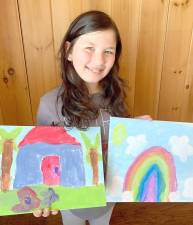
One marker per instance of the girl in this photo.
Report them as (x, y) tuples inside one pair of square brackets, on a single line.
[(91, 91)]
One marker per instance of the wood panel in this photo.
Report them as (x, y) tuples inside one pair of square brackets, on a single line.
[(187, 101), (63, 12), (126, 14), (150, 56), (14, 92), (177, 47), (152, 214), (104, 6), (1, 117), (123, 214), (37, 32)]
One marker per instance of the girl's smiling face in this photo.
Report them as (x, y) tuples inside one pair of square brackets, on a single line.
[(93, 55)]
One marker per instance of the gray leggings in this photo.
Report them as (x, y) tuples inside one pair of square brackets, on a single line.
[(69, 218)]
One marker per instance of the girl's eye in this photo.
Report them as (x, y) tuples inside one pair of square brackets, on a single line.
[(90, 49), (109, 52)]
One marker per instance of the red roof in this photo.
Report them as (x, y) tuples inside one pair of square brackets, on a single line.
[(49, 135)]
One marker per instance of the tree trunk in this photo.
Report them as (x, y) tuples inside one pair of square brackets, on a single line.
[(6, 162), (94, 164)]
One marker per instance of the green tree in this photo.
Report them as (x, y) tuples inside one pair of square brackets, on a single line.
[(93, 155), (119, 134), (7, 145)]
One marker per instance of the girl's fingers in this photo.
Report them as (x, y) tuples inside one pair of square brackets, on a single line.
[(54, 212), (37, 212), (46, 212), (144, 117)]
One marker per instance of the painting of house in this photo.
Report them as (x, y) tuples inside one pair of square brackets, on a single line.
[(44, 163), (44, 166)]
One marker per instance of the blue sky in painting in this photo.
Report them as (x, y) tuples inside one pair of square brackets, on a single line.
[(91, 132), (175, 137)]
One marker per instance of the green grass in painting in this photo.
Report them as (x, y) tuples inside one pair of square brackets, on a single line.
[(69, 198)]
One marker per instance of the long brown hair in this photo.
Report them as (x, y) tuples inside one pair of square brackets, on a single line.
[(77, 107)]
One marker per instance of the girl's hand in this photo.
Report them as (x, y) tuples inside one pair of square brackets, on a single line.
[(144, 117), (44, 212)]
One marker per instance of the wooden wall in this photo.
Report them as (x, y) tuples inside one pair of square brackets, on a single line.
[(157, 59)]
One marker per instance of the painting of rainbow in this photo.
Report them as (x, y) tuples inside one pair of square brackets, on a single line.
[(44, 166), (150, 161)]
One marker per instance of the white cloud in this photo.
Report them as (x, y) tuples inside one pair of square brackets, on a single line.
[(114, 186), (188, 188), (134, 143), (127, 196), (115, 190), (181, 147), (175, 197)]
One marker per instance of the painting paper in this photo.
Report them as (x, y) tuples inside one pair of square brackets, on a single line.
[(50, 167), (150, 161)]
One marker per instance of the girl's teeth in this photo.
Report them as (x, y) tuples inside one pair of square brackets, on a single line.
[(95, 71)]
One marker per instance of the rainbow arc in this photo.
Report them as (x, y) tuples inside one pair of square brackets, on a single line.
[(152, 176)]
